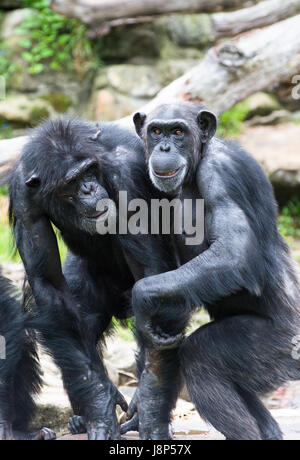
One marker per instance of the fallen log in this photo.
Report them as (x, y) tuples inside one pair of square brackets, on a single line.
[(231, 72), (265, 13), (95, 11)]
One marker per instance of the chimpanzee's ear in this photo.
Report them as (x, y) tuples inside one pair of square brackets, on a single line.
[(208, 123), (139, 120), (33, 182)]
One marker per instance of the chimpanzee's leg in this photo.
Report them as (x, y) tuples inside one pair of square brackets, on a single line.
[(96, 303), (268, 426), (159, 385), (20, 375), (226, 364)]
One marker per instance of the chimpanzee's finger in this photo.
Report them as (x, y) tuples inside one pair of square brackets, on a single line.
[(131, 425), (132, 409), (121, 401)]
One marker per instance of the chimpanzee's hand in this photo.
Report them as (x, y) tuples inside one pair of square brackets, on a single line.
[(147, 295), (101, 419), (144, 410)]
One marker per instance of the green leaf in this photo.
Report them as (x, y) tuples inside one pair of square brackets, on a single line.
[(27, 56), (36, 68)]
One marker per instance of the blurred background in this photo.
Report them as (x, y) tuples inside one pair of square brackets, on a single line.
[(103, 60)]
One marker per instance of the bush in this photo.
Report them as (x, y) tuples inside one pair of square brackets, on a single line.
[(54, 40)]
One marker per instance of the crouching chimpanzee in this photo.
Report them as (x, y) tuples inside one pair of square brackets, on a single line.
[(20, 376), (65, 170), (242, 273)]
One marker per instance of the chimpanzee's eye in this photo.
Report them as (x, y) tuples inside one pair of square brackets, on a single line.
[(178, 132), (157, 131)]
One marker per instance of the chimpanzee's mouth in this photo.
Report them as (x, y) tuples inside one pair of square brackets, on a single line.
[(99, 214), (167, 174)]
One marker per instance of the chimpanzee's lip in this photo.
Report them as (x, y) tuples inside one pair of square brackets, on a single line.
[(99, 214), (167, 174)]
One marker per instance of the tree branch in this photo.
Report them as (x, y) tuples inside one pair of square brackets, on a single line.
[(95, 11), (233, 71), (261, 15)]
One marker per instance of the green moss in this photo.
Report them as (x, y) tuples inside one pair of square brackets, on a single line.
[(289, 219), (231, 122), (6, 131), (60, 102), (37, 114)]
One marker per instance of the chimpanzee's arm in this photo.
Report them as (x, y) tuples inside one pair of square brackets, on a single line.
[(63, 330), (231, 263)]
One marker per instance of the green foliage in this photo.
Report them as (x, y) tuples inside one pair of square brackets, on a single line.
[(231, 122), (124, 328), (4, 190), (6, 66), (53, 40), (289, 219), (6, 131)]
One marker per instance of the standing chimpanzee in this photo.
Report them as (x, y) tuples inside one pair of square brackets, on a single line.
[(242, 273), (20, 376), (65, 170)]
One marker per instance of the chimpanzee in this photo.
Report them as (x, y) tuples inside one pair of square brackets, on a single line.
[(66, 168), (242, 273), (20, 375)]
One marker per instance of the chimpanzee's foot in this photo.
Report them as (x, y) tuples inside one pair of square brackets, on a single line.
[(77, 425), (45, 434), (101, 418), (143, 413)]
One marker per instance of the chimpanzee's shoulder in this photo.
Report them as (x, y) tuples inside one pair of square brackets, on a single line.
[(226, 166)]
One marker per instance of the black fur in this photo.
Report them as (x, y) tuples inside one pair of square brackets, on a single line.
[(75, 308), (242, 273), (20, 374)]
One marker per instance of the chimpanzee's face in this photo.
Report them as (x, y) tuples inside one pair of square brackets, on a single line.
[(170, 148), (80, 199), (174, 135), (84, 197)]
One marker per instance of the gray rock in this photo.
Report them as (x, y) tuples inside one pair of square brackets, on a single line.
[(168, 37), (141, 81), (108, 105), (261, 104), (277, 150), (121, 89), (12, 21), (194, 30), (24, 110)]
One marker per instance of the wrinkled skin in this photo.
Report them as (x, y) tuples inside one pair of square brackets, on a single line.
[(142, 413), (106, 427)]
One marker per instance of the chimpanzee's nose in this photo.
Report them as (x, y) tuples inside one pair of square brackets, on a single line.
[(88, 188), (165, 147)]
